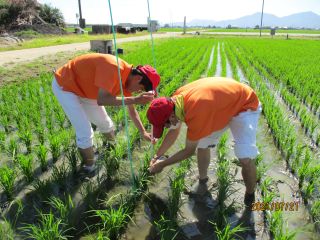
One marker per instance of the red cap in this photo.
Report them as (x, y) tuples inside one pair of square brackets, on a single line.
[(151, 74), (158, 114)]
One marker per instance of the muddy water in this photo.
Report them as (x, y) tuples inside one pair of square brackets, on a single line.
[(229, 70)]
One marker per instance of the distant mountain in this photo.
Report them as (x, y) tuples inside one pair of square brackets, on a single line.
[(298, 20)]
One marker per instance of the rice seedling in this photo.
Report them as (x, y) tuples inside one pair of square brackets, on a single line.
[(303, 169), (113, 220), (13, 148), (308, 191), (6, 230), (267, 195), (261, 167), (174, 203), (5, 122), (297, 158), (2, 140), (111, 159), (228, 233), (63, 208), (42, 187), (25, 163), (26, 136), (7, 179), (276, 226), (167, 228), (72, 156), (315, 211), (40, 132), (221, 147), (55, 146), (60, 176), (42, 153), (60, 116), (49, 228)]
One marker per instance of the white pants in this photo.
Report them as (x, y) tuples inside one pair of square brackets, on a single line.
[(243, 128), (81, 113)]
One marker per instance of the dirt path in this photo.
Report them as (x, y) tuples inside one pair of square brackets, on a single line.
[(33, 53)]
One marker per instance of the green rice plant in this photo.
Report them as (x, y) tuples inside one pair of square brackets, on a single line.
[(223, 61), (48, 228), (303, 169), (5, 122), (40, 132), (221, 147), (55, 146), (13, 148), (2, 140), (308, 190), (63, 208), (60, 176), (315, 211), (111, 159), (167, 228), (295, 164), (276, 226), (228, 233), (6, 230), (25, 163), (101, 236), (42, 188), (318, 140), (42, 153), (261, 167), (7, 179), (113, 220), (60, 116), (26, 136), (72, 156), (174, 199), (267, 195)]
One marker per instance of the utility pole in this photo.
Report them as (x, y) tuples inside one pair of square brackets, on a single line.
[(82, 22), (184, 25), (261, 17)]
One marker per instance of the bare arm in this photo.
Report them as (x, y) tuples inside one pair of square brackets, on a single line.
[(188, 151), (168, 141), (106, 99), (134, 115)]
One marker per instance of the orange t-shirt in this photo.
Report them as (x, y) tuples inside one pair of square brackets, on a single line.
[(210, 103), (84, 75)]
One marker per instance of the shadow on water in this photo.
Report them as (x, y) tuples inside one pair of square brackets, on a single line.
[(199, 222)]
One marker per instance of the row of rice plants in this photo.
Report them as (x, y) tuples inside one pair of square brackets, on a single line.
[(272, 216), (294, 63), (299, 157), (309, 122)]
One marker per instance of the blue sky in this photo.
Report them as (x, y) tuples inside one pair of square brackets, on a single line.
[(167, 11)]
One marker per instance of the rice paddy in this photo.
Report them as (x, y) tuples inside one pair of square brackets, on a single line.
[(42, 197)]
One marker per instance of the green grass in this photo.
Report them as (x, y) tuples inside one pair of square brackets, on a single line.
[(263, 30), (178, 29), (53, 40)]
